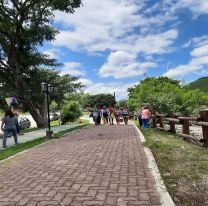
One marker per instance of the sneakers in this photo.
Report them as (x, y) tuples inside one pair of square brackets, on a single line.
[(4, 146)]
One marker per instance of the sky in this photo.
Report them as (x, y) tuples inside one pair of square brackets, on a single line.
[(113, 44)]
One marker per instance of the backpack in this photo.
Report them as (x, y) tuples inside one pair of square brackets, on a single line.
[(95, 114), (125, 114), (117, 113), (105, 113)]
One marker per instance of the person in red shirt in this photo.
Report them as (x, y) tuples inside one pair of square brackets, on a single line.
[(146, 114)]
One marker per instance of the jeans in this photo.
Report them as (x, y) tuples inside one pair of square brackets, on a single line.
[(145, 123), (6, 133)]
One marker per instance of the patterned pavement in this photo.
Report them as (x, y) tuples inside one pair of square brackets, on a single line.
[(103, 165)]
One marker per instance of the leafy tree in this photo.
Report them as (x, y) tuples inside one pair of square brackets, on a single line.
[(166, 96), (53, 106), (79, 97), (99, 100), (24, 27), (70, 111), (122, 103)]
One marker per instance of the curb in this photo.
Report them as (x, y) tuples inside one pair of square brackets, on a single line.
[(165, 197)]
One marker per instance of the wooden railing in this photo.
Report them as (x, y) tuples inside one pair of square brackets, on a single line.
[(201, 120)]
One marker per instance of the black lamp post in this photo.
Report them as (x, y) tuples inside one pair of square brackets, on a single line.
[(46, 88)]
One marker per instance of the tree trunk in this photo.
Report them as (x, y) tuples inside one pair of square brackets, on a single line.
[(38, 114)]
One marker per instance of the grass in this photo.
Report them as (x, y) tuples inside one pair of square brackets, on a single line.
[(27, 145), (183, 166)]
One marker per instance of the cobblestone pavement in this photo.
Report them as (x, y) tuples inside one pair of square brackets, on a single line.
[(103, 165)]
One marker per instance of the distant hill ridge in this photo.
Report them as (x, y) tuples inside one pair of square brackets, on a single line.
[(201, 84)]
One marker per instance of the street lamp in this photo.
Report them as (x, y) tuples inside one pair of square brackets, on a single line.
[(46, 88)]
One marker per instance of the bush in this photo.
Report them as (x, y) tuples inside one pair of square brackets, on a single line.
[(70, 112)]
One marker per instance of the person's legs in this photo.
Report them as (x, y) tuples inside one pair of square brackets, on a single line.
[(6, 133), (117, 119), (99, 120), (126, 120), (112, 120), (106, 119), (140, 122), (14, 132), (145, 123)]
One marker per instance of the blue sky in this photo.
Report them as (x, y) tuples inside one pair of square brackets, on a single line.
[(112, 44)]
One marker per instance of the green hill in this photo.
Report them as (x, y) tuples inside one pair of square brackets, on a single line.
[(201, 84)]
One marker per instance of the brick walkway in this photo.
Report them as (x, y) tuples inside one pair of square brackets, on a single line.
[(92, 166)]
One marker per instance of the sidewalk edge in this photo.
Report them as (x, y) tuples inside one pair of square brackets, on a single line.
[(165, 197)]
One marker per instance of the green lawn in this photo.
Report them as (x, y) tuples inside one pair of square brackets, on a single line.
[(183, 166), (24, 146)]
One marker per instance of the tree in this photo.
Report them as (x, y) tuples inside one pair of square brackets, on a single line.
[(166, 96), (24, 27), (53, 107), (70, 111), (99, 100)]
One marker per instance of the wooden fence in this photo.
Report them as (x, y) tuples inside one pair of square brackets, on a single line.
[(185, 121)]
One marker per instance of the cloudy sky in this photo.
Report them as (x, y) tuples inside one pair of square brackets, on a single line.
[(112, 44)]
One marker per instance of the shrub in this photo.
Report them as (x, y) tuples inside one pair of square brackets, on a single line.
[(70, 112)]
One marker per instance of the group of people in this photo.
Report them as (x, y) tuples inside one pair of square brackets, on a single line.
[(10, 125), (107, 115)]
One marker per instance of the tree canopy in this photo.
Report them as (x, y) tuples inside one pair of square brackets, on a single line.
[(99, 100), (166, 95), (24, 27)]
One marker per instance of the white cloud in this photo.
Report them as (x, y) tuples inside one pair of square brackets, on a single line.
[(198, 62), (73, 68), (119, 88), (53, 53), (72, 65), (200, 51), (198, 7), (86, 82), (115, 25), (122, 64)]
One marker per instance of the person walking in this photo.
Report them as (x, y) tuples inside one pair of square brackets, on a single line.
[(111, 117), (105, 115), (146, 114), (95, 114), (9, 122), (125, 115), (117, 114)]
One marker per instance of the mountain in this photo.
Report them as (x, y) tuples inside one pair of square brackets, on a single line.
[(201, 84)]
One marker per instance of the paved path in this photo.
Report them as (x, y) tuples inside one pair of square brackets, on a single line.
[(29, 136), (103, 165)]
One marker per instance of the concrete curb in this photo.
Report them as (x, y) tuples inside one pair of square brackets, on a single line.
[(165, 197)]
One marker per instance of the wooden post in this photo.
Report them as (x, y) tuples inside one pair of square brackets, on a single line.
[(154, 121), (172, 125), (161, 122), (185, 124), (204, 118)]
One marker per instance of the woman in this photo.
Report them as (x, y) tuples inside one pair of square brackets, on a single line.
[(111, 117), (125, 115), (117, 114), (95, 114), (146, 114), (8, 125), (105, 115)]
